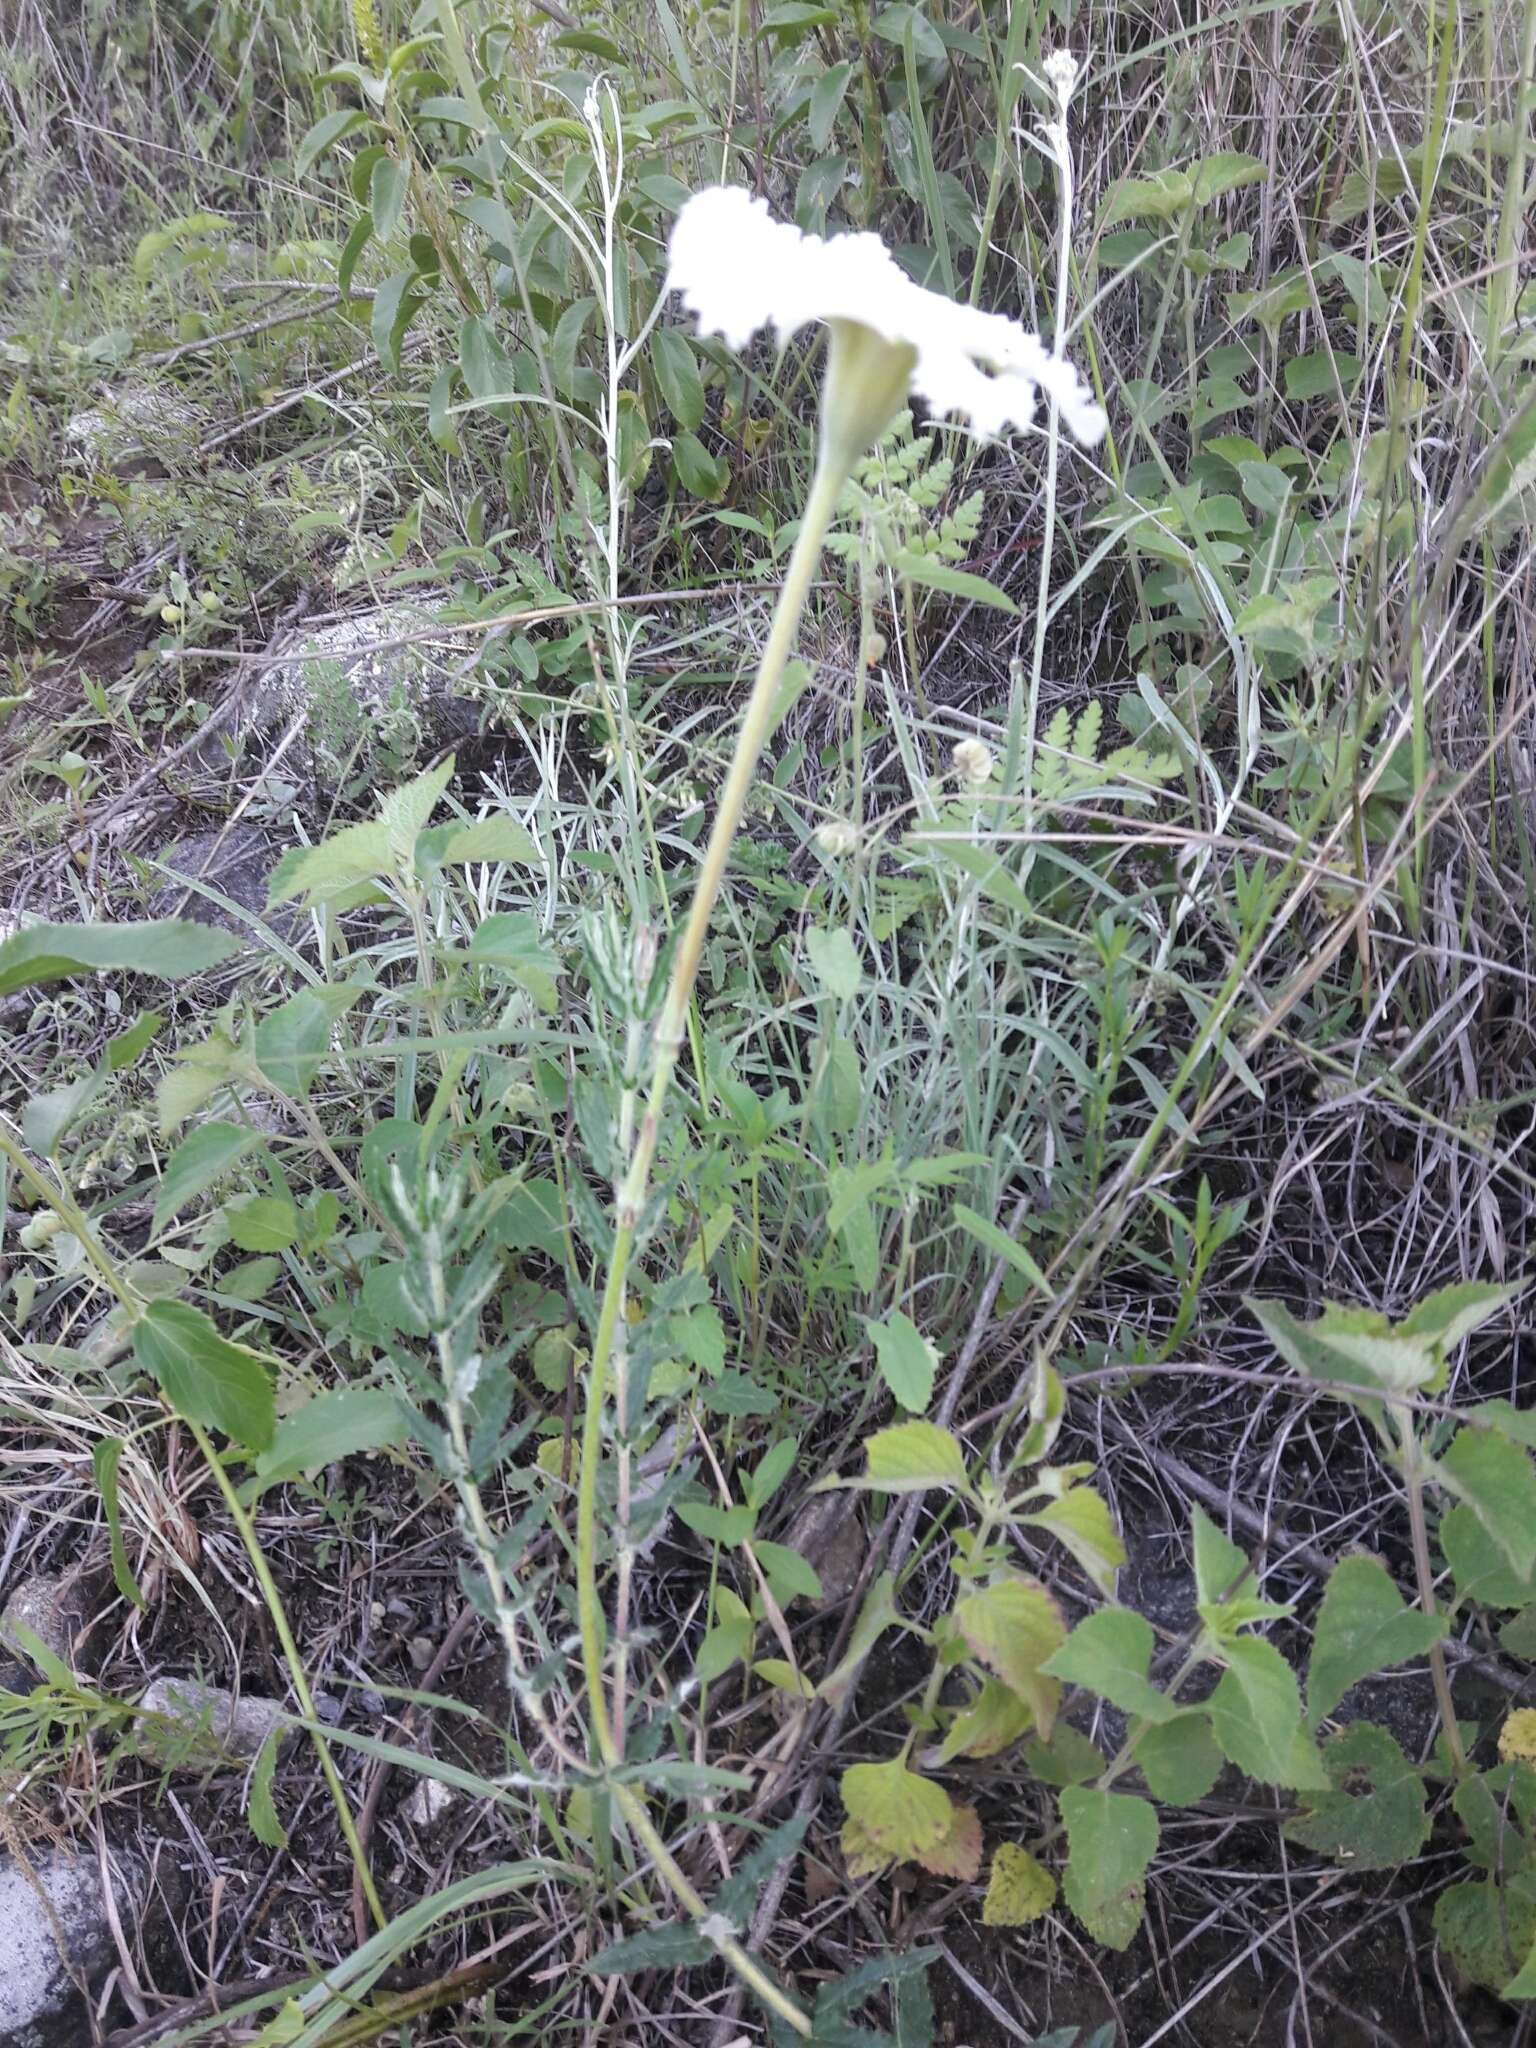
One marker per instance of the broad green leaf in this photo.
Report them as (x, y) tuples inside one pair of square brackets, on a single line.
[(1110, 1652), (1013, 1627), (1256, 1717), (325, 134), (834, 961), (496, 838), (1222, 1571), (1081, 1521), (334, 868), (291, 1044), (894, 1816), (1225, 172), (1455, 1311), (330, 1426), (959, 583), (1179, 1759), (46, 1118), (203, 1376), (1363, 1626), (1019, 1889), (511, 942), (1067, 1759), (826, 98), (1487, 1929), (169, 948), (783, 1677), (993, 1722), (907, 1361), (1495, 1479), (128, 1045), (910, 1457), (716, 1524), (677, 374), (406, 812), (261, 1223), (878, 1613), (1111, 1840), (1373, 1818), (728, 1641), (202, 1157), (1481, 1570), (773, 1469), (787, 1572), (700, 473), (395, 304)]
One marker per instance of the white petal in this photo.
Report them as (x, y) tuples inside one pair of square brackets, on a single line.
[(740, 270)]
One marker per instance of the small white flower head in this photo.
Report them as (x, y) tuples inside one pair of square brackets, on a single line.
[(837, 838), (740, 270), (974, 763), (1062, 72)]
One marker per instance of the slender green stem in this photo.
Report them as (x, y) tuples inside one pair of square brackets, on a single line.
[(290, 1649), (1413, 1485), (757, 724)]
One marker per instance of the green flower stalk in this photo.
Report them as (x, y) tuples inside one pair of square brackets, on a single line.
[(739, 270)]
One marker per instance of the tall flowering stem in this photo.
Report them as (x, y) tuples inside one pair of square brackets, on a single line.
[(740, 270)]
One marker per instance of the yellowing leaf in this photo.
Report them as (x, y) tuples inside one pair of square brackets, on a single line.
[(994, 1721), (1081, 1521), (1019, 1889), (958, 1855), (893, 1811), (1517, 1738), (912, 1456), (1013, 1627)]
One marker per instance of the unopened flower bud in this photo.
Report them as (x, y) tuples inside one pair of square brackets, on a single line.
[(973, 763), (837, 838)]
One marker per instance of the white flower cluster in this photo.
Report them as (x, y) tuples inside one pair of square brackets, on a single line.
[(740, 270)]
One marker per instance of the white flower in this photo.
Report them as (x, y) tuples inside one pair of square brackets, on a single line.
[(837, 838), (973, 761), (740, 270), (1061, 75)]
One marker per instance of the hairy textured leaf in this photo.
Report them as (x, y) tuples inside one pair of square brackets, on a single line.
[(201, 1158), (1179, 1759), (1256, 1716), (910, 1457), (1363, 1626), (1374, 1817), (1496, 1480), (203, 1376), (170, 948), (1110, 1652), (907, 1361), (1112, 1838)]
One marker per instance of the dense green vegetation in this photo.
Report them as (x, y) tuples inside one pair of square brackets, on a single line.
[(951, 1461)]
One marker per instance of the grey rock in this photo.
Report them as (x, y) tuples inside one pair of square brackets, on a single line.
[(53, 1607), (54, 1934), (192, 1726), (359, 685), (430, 1801), (138, 420), (828, 1532), (236, 862)]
